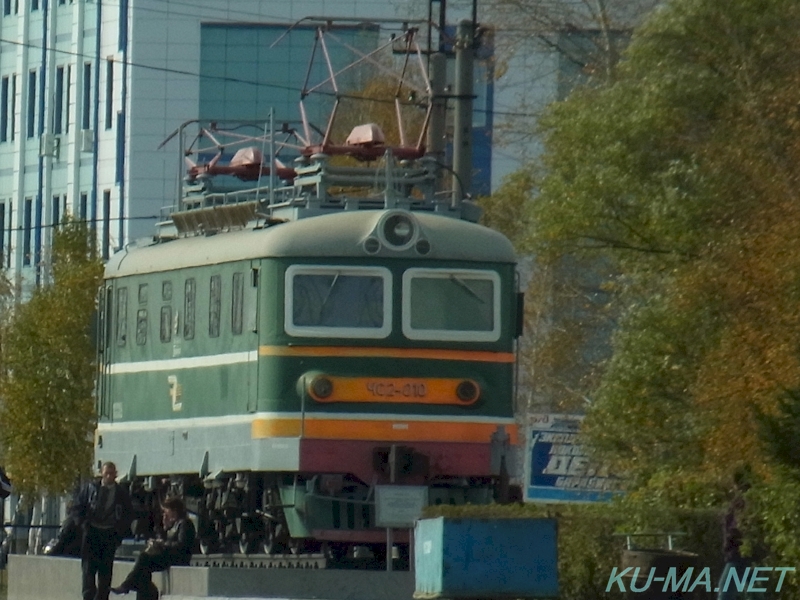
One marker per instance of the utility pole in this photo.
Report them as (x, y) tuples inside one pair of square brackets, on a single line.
[(462, 125), (437, 130)]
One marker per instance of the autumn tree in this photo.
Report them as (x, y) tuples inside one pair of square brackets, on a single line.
[(47, 377), (568, 42), (681, 173)]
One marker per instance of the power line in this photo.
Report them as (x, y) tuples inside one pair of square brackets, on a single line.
[(154, 68), (229, 79)]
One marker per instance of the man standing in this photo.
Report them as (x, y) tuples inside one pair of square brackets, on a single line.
[(103, 511)]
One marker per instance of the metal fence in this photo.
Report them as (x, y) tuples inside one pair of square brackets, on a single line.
[(24, 539)]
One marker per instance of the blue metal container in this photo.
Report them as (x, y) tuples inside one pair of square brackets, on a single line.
[(471, 558)]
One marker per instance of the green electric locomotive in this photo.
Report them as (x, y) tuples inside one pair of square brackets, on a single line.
[(298, 342)]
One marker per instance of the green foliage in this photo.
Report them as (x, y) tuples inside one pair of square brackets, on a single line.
[(509, 211), (47, 376), (779, 431), (772, 527), (644, 421), (681, 173)]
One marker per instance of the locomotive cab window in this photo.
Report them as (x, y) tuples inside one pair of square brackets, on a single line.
[(457, 305), (352, 302)]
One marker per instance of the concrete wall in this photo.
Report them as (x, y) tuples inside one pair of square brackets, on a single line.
[(55, 578), (50, 578)]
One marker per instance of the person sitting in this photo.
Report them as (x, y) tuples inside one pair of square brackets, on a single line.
[(173, 546)]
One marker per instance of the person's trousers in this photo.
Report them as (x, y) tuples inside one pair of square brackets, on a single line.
[(97, 562), (140, 577)]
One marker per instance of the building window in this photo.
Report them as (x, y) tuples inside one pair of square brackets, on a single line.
[(13, 109), (189, 309), (37, 238), (87, 96), (58, 112), (122, 316), (31, 124), (5, 241), (166, 291), (56, 210), (120, 171), (106, 222), (27, 221), (67, 96), (4, 89), (34, 5), (123, 24), (142, 293), (214, 305), (109, 93), (83, 206), (6, 7), (2, 231)]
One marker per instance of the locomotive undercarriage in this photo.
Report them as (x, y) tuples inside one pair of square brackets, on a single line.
[(286, 513)]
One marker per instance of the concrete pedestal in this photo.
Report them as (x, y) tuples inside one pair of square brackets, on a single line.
[(53, 578)]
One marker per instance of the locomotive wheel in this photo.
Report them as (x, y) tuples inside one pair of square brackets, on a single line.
[(335, 551), (206, 547), (295, 546), (403, 557), (247, 544), (378, 553), (271, 544)]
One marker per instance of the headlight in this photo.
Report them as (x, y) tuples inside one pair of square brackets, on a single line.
[(399, 231)]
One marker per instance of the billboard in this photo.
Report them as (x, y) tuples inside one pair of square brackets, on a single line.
[(558, 468)]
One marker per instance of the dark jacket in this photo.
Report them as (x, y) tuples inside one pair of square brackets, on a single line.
[(85, 507), (67, 542), (731, 532), (177, 542)]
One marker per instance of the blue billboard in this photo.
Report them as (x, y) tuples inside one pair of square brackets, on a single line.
[(558, 468)]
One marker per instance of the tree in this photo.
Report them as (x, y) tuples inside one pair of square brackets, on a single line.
[(569, 42), (48, 369), (682, 172)]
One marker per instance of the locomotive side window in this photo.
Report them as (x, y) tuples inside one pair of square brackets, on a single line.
[(141, 327), (189, 308), (237, 303), (166, 324), (214, 305), (451, 305), (352, 302), (122, 316)]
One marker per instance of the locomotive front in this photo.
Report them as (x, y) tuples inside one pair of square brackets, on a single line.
[(291, 369)]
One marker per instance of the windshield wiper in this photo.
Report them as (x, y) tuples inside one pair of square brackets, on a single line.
[(463, 285), (328, 295)]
